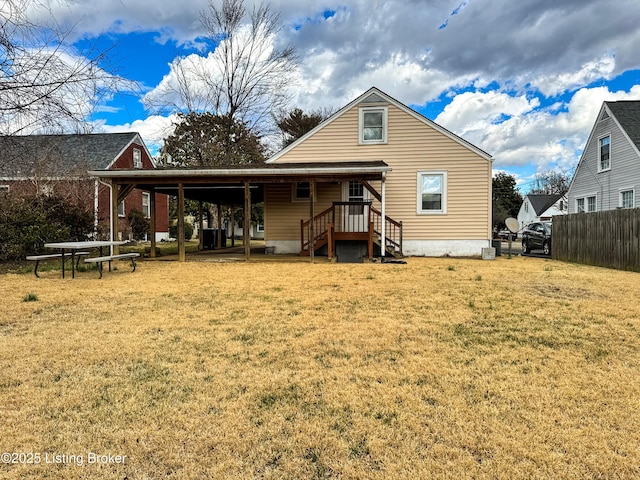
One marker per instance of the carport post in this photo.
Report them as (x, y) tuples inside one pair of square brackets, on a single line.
[(219, 233), (181, 250), (246, 225), (312, 234), (200, 226), (152, 220)]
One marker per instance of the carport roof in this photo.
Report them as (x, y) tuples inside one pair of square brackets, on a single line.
[(221, 185), (252, 173)]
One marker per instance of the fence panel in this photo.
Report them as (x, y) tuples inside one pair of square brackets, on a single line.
[(606, 239)]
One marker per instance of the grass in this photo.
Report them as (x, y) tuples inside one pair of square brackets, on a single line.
[(293, 370)]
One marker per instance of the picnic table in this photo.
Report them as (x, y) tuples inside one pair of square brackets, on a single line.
[(74, 247)]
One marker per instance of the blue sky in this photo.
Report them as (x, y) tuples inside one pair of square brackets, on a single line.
[(522, 80)]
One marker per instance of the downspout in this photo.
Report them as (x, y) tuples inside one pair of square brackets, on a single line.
[(95, 209)]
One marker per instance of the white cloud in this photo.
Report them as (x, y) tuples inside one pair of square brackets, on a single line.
[(527, 133), (152, 129)]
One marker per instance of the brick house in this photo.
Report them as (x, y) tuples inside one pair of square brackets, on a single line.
[(58, 165)]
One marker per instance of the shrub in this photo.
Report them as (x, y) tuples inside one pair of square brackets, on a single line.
[(26, 223), (188, 231), (140, 226)]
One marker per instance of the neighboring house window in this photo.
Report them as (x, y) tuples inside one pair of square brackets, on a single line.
[(146, 202), (561, 205), (604, 153), (627, 199), (4, 189), (432, 192), (526, 207), (260, 227), (137, 158), (121, 209), (587, 204), (373, 125)]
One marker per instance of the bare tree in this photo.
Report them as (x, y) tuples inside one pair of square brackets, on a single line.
[(551, 183), (45, 85), (244, 79)]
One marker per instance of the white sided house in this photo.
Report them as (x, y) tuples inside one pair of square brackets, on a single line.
[(608, 174), (541, 208), (434, 192)]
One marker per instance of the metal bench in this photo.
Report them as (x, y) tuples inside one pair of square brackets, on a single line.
[(37, 258), (110, 258)]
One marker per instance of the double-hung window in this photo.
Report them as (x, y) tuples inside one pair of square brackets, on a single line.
[(300, 192), (586, 204), (137, 158), (604, 153), (121, 209), (373, 125), (146, 203), (627, 199), (432, 193)]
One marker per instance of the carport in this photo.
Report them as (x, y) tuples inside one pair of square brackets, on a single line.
[(236, 185)]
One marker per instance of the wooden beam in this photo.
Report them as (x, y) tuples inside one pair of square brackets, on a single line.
[(181, 250), (247, 222), (372, 190), (153, 221), (124, 191)]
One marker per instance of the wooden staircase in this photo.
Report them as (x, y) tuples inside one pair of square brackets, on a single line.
[(351, 221)]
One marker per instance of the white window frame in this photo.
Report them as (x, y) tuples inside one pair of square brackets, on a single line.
[(600, 139), (294, 193), (146, 205), (443, 193), (633, 197), (4, 189), (121, 209), (578, 208), (385, 115), (595, 203), (137, 158)]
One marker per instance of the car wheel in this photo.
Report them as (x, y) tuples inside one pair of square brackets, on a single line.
[(546, 248), (525, 247)]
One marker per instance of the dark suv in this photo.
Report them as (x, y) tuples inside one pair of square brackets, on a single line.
[(537, 236)]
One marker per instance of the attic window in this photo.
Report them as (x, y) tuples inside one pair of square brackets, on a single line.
[(373, 125), (604, 154), (137, 158)]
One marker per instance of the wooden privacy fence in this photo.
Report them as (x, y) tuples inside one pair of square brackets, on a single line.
[(606, 239)]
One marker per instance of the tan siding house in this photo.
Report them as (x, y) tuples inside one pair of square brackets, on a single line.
[(438, 186)]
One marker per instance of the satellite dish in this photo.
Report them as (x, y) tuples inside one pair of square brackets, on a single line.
[(512, 224)]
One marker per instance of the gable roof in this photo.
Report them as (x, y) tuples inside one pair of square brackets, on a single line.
[(61, 155), (374, 95), (627, 113), (542, 202)]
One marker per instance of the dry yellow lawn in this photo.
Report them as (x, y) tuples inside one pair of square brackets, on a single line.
[(441, 368)]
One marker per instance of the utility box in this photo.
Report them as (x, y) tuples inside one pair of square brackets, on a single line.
[(488, 253)]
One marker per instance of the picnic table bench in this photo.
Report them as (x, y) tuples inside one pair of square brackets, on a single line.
[(60, 255), (109, 258)]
